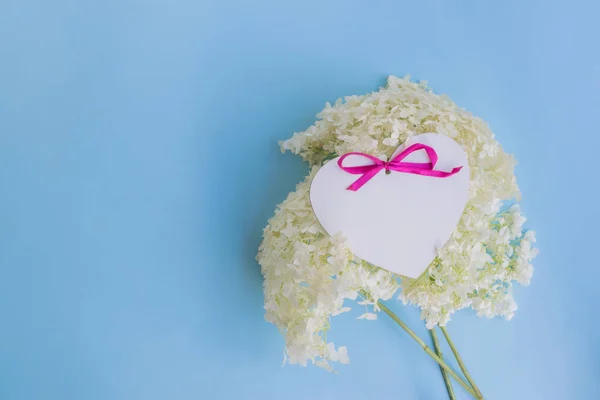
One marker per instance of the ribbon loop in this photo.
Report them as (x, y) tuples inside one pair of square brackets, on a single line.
[(396, 164)]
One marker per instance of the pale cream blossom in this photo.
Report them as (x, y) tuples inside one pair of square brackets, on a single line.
[(308, 274)]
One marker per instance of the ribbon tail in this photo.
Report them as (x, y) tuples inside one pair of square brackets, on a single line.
[(443, 174), (366, 177)]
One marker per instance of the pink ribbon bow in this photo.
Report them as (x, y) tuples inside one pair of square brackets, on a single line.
[(396, 164)]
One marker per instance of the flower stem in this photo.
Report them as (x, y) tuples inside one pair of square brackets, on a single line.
[(438, 351), (461, 364), (430, 352)]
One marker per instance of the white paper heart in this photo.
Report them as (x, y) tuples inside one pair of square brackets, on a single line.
[(395, 221)]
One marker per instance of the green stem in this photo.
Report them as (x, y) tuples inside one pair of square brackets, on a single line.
[(430, 352), (461, 364), (438, 351)]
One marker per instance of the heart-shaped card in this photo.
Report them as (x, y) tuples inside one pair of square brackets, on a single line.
[(395, 219)]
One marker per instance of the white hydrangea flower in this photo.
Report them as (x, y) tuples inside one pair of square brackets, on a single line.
[(309, 274)]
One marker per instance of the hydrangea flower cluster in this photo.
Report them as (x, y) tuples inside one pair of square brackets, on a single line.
[(309, 274)]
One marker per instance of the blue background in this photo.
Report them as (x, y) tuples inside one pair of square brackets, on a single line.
[(139, 163)]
